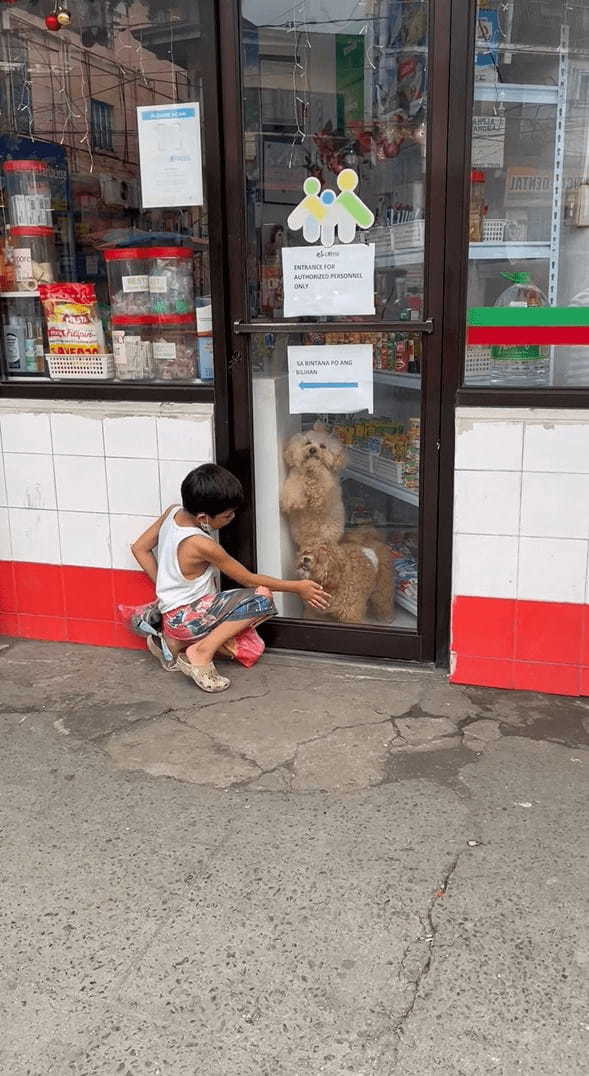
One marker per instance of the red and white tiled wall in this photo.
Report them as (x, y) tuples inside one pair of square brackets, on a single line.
[(78, 482), (520, 614)]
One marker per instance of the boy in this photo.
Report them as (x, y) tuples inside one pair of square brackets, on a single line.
[(197, 620)]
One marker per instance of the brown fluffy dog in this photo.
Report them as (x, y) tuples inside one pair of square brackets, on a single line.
[(357, 581), (311, 496)]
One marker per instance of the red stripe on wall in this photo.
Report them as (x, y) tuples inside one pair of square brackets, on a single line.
[(67, 603), (530, 646), (487, 335)]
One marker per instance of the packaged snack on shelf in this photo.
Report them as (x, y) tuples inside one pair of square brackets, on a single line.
[(29, 193), (73, 325), (35, 259)]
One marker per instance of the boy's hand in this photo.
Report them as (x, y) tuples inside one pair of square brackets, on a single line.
[(313, 594)]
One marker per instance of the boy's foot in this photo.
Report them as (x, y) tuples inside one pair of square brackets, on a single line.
[(205, 677), (155, 647)]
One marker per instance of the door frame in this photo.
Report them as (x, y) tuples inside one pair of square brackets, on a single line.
[(234, 402)]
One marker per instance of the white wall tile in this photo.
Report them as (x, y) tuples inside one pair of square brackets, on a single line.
[(35, 536), (488, 446), (555, 506), (85, 539), (172, 474), (130, 437), (562, 447), (29, 480), (76, 435), (485, 566), (5, 543), (487, 502), (185, 439), (123, 531), (81, 484), (133, 487), (26, 432), (552, 569)]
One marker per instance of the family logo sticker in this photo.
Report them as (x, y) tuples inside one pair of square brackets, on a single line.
[(325, 216)]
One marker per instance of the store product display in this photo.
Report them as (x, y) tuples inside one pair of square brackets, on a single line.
[(73, 325), (23, 335), (384, 447), (34, 258), (150, 280), (28, 194), (520, 364)]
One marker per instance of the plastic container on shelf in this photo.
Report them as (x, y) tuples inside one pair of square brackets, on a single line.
[(150, 280), (171, 282), (520, 364), (34, 257), (132, 345), (23, 335), (29, 193), (175, 348)]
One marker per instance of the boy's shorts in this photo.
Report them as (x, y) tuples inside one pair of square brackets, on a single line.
[(190, 622)]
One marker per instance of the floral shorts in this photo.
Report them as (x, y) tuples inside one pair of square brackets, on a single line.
[(194, 621)]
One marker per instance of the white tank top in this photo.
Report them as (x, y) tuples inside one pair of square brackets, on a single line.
[(173, 588)]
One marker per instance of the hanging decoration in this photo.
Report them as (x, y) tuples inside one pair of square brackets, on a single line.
[(59, 17)]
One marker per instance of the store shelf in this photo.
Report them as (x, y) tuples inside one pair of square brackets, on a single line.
[(514, 252), (512, 92), (406, 381), (19, 294), (399, 258), (390, 488), (406, 603)]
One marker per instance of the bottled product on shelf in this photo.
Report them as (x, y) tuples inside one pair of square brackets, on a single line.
[(34, 256), (520, 364), (477, 206), (23, 335), (28, 194)]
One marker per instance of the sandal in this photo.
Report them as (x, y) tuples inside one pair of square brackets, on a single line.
[(155, 647), (205, 677)]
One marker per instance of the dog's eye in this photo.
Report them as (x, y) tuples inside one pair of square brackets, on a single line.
[(307, 442)]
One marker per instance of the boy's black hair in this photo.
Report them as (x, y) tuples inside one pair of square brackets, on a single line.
[(212, 490)]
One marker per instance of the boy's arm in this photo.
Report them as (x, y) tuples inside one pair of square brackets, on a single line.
[(205, 549), (142, 548)]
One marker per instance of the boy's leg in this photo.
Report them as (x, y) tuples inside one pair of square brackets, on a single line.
[(203, 651)]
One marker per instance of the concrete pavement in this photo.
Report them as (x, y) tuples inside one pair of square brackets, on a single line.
[(331, 869)]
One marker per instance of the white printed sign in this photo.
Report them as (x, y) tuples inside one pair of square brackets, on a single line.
[(170, 155), (329, 378), (335, 280), (488, 141)]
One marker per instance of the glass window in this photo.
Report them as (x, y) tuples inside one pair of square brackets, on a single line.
[(104, 268), (528, 279)]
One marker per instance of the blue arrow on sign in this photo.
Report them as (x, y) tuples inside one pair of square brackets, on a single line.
[(328, 384)]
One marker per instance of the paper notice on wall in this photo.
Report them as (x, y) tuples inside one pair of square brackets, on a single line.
[(330, 379), (488, 141), (170, 155), (336, 280)]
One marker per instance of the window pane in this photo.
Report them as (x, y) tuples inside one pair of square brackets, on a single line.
[(122, 254), (528, 298), (330, 87)]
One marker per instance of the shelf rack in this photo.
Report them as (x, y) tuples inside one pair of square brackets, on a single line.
[(381, 484), (390, 377)]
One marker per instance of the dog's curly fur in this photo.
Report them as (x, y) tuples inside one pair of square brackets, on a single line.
[(311, 496), (355, 583)]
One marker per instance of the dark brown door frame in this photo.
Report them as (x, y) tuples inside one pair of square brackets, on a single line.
[(234, 407)]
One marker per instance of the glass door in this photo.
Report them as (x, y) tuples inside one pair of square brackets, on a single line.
[(337, 313)]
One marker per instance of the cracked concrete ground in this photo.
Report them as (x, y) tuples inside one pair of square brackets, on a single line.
[(330, 869)]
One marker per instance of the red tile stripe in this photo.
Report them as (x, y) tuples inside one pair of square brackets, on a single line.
[(487, 336), (530, 646), (66, 603)]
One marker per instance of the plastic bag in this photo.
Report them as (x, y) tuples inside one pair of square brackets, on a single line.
[(246, 648)]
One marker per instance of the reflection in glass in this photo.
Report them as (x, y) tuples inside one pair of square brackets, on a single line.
[(330, 87), (72, 212), (529, 241)]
